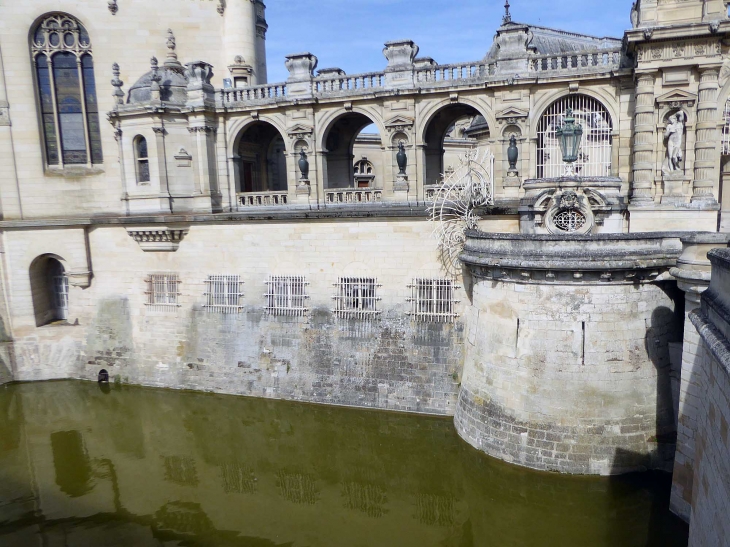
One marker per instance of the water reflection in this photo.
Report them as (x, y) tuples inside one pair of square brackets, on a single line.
[(152, 467)]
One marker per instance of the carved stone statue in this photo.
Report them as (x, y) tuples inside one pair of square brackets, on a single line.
[(635, 14), (674, 133)]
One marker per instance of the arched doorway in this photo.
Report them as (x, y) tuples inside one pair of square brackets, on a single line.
[(261, 159), (451, 131), (353, 153), (49, 289)]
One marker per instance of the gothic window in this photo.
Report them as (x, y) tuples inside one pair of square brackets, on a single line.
[(66, 89), (141, 159), (594, 157)]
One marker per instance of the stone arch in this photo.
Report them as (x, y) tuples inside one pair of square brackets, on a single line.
[(596, 155), (260, 158), (609, 103), (49, 288), (438, 143), (338, 145), (238, 127)]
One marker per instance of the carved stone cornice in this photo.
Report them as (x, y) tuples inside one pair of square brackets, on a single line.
[(679, 49), (158, 238)]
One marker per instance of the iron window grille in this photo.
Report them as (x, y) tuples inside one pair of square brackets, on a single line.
[(163, 292), (594, 156), (60, 294), (223, 294), (356, 298), (286, 295), (432, 300)]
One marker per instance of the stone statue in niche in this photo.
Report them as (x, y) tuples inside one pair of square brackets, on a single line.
[(674, 135)]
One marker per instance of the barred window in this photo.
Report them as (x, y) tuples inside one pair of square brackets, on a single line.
[(432, 300), (594, 156), (64, 70), (286, 295), (356, 297), (223, 293), (163, 291)]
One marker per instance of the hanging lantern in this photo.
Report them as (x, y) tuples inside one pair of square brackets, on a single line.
[(569, 136)]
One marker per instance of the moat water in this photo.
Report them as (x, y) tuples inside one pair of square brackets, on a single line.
[(129, 466)]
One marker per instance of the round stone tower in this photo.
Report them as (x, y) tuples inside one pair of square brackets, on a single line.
[(567, 360), (245, 41)]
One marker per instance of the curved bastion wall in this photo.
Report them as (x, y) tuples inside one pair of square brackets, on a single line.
[(566, 355)]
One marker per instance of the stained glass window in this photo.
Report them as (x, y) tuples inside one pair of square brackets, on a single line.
[(67, 92)]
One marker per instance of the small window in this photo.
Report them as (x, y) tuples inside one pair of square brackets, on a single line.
[(224, 293), (141, 159), (286, 295), (356, 297), (163, 291), (432, 300)]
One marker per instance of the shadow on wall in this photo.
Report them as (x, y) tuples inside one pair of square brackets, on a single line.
[(666, 327)]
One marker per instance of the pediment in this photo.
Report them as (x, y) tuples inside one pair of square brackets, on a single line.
[(513, 112), (300, 129), (399, 121), (678, 96)]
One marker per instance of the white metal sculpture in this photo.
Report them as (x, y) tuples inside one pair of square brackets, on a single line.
[(453, 211)]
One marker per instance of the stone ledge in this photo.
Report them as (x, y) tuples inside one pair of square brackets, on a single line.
[(716, 343)]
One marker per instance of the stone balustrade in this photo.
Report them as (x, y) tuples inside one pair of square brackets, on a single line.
[(262, 199), (353, 195), (575, 62), (426, 74)]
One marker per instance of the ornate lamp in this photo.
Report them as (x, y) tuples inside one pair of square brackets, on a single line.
[(569, 135)]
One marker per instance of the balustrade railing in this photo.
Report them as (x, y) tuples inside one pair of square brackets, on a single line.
[(575, 62), (253, 93), (354, 82), (453, 72), (353, 195), (262, 199)]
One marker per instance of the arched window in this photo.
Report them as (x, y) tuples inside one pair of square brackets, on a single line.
[(49, 289), (66, 91), (364, 173), (594, 158), (141, 159)]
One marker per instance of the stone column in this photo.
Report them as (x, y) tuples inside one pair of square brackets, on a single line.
[(706, 141), (692, 272), (644, 153)]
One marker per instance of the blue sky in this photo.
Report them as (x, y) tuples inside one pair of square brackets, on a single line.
[(349, 34)]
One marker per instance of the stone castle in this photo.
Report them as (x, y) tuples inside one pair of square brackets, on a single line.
[(181, 222)]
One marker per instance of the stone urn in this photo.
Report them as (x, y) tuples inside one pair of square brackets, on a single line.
[(304, 165), (512, 154), (402, 159)]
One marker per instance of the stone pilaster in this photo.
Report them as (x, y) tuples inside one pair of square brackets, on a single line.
[(706, 141), (644, 139)]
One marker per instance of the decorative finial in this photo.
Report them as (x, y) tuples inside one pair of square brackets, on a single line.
[(112, 5), (171, 44), (507, 18), (117, 84)]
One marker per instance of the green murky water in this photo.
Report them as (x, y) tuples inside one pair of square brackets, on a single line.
[(141, 467)]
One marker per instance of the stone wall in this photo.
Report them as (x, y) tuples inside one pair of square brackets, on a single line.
[(567, 367), (710, 503), (391, 362)]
